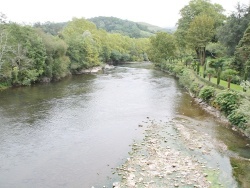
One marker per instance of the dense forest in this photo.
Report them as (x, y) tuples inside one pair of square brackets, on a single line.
[(125, 27), (46, 52)]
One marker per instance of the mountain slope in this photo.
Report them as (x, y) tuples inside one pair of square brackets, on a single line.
[(125, 27)]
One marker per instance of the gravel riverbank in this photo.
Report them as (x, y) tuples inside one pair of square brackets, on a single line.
[(174, 154)]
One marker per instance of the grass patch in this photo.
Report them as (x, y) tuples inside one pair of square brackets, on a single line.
[(223, 83), (241, 169)]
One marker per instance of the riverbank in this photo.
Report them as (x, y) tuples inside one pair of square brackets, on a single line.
[(176, 153), (230, 107), (96, 69), (91, 70)]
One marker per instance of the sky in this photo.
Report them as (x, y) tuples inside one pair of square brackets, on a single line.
[(163, 13)]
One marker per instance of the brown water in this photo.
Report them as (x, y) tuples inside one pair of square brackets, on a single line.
[(73, 133)]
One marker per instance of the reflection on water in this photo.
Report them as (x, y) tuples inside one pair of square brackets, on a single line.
[(73, 132)]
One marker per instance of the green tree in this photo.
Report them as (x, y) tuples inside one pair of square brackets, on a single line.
[(215, 50), (56, 63), (4, 47), (27, 54), (189, 13), (242, 53), (231, 32), (163, 47), (217, 65), (196, 8), (200, 33), (124, 27), (50, 27), (229, 74), (83, 49), (210, 73)]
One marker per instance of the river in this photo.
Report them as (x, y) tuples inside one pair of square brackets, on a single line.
[(73, 133)]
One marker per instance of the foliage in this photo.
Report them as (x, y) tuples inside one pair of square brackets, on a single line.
[(201, 31), (210, 72), (245, 84), (185, 78), (125, 27), (236, 117), (163, 47), (50, 27), (199, 7), (227, 101), (217, 64), (228, 74), (83, 47), (4, 47), (231, 32), (197, 24), (195, 88), (242, 113), (51, 51), (178, 69), (56, 63), (26, 57), (206, 93), (242, 53), (153, 28), (215, 50)]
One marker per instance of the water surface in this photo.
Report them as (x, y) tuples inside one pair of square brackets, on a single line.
[(73, 133)]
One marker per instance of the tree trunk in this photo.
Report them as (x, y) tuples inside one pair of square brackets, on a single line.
[(218, 76), (228, 83), (209, 77), (204, 70), (246, 74), (198, 68), (197, 50), (203, 55)]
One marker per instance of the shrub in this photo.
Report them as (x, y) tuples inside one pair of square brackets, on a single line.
[(244, 109), (185, 78), (238, 118), (194, 88), (178, 69), (227, 101), (206, 93)]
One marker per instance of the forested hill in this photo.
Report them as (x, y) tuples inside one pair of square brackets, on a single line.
[(125, 27), (155, 29), (51, 27)]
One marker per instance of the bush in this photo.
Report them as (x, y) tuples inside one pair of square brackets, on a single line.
[(238, 118), (185, 78), (227, 101), (194, 88), (244, 109), (206, 93), (178, 69)]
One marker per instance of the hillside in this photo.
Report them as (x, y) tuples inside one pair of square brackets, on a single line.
[(152, 28), (110, 24), (51, 27), (125, 27)]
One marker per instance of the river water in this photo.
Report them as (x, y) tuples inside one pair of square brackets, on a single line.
[(73, 133)]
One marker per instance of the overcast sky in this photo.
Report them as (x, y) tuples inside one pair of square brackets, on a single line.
[(164, 13)]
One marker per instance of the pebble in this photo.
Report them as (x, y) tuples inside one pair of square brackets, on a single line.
[(167, 166)]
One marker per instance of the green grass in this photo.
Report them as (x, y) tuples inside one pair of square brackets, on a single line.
[(224, 84)]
